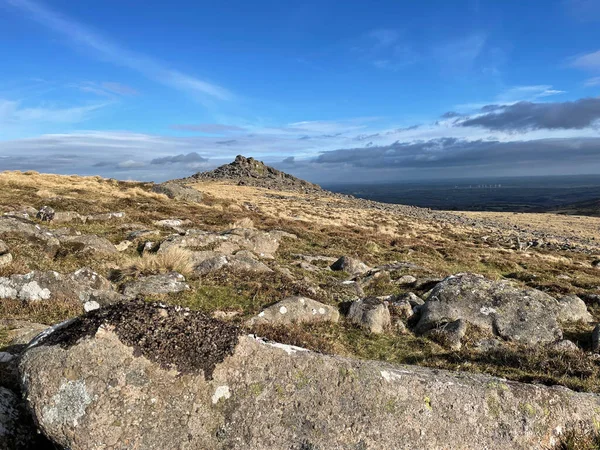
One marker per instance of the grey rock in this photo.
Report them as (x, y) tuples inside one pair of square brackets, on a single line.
[(45, 214), (89, 243), (178, 191), (527, 316), (97, 394), (38, 286), (142, 234), (573, 309), (210, 265), (296, 310), (3, 248), (123, 245), (566, 346), (449, 334), (105, 217), (5, 259), (371, 314), (14, 226), (167, 283), (351, 265), (68, 217), (406, 280), (247, 264)]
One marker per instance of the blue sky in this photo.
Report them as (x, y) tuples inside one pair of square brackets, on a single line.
[(328, 90)]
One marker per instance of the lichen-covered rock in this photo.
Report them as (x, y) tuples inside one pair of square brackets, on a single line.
[(371, 314), (110, 382), (178, 191), (572, 309), (351, 265), (296, 310), (167, 283), (14, 226), (6, 259), (527, 316), (37, 286)]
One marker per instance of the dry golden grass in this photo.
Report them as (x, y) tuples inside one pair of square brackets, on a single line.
[(175, 259), (244, 222)]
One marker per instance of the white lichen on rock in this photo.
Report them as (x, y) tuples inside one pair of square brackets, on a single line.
[(68, 404)]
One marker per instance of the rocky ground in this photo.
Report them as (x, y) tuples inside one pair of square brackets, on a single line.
[(248, 309)]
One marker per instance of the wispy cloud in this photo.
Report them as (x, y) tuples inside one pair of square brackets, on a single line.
[(207, 128), (587, 61), (106, 89), (460, 54), (115, 53), (590, 82), (386, 49), (13, 113)]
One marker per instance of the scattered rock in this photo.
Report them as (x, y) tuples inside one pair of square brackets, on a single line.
[(371, 314), (67, 217), (123, 245), (572, 309), (12, 226), (174, 224), (45, 214), (5, 259), (449, 334), (527, 316), (105, 217), (142, 234), (89, 243), (351, 265), (178, 191), (296, 310), (38, 286), (167, 283), (406, 280), (566, 346), (167, 380)]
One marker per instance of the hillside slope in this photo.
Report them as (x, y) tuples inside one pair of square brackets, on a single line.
[(245, 253)]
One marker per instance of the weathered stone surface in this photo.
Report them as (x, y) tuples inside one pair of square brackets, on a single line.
[(208, 262), (270, 396), (38, 286), (351, 265), (30, 230), (449, 334), (371, 314), (521, 315), (174, 224), (105, 217), (178, 191), (123, 245), (68, 217), (89, 243), (45, 214), (5, 259), (406, 280), (296, 310), (17, 430), (167, 283), (572, 309), (3, 248)]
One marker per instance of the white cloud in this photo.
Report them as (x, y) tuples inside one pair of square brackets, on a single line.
[(590, 82), (150, 68), (587, 61), (12, 113)]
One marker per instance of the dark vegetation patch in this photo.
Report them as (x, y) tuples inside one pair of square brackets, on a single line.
[(188, 341)]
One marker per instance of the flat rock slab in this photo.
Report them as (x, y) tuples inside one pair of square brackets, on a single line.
[(296, 310), (93, 391), (528, 316), (167, 283)]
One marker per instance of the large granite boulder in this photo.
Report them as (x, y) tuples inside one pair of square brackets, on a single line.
[(526, 316), (138, 375)]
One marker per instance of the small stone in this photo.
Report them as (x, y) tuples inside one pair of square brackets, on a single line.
[(45, 214), (371, 314), (406, 280), (91, 305), (351, 265), (123, 245), (5, 259)]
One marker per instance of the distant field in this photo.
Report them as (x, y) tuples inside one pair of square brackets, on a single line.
[(523, 194)]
